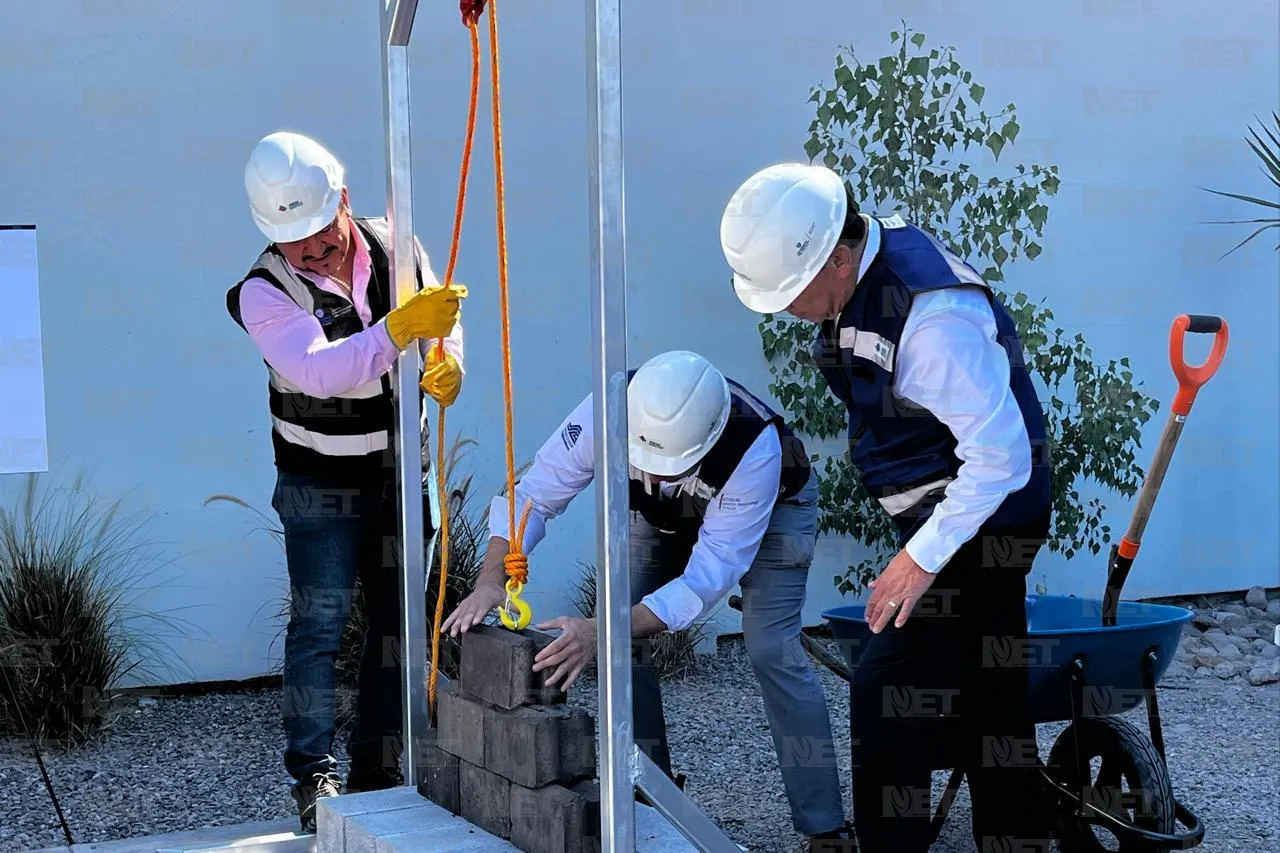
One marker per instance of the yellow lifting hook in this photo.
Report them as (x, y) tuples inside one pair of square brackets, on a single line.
[(523, 613)]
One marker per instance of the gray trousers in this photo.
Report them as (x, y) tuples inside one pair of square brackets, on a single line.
[(773, 593)]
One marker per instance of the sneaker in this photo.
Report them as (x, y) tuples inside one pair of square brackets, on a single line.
[(307, 791), (377, 779), (837, 841)]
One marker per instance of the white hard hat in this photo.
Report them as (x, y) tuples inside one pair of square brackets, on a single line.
[(778, 230), (677, 408), (294, 186)]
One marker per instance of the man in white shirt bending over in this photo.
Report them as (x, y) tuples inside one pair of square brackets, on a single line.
[(721, 493), (947, 432)]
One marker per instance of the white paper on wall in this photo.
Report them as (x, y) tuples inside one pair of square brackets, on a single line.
[(24, 445)]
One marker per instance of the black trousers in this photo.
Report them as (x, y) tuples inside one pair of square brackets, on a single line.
[(949, 689)]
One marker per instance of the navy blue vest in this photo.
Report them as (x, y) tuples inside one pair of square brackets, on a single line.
[(682, 514), (895, 445)]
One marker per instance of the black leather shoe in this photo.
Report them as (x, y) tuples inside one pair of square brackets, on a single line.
[(376, 779), (837, 841)]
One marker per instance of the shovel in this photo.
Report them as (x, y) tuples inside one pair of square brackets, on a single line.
[(1190, 379)]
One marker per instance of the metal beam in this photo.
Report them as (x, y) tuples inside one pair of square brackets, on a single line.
[(609, 327), (397, 21), (410, 477), (679, 810), (623, 767)]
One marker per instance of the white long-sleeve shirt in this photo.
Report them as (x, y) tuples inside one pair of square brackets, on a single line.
[(951, 363), (731, 532)]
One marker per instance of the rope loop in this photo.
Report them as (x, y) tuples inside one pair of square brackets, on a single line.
[(517, 566)]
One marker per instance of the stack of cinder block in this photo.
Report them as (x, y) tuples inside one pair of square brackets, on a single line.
[(508, 754)]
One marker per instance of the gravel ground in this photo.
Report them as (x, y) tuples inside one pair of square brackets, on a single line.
[(185, 763)]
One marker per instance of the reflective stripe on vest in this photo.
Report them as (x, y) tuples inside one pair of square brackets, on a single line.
[(334, 426)]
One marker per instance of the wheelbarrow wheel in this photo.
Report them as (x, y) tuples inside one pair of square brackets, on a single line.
[(1129, 781)]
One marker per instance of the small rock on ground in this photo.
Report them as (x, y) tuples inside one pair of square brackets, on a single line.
[(1233, 640)]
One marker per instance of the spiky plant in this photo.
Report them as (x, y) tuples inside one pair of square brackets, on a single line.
[(675, 654), (1268, 151), (72, 570)]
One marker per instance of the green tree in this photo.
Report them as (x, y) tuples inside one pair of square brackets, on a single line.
[(901, 130)]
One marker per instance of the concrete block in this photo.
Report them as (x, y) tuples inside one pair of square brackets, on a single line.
[(497, 667), (440, 779), (363, 831), (535, 746), (443, 831), (333, 813), (577, 744), (460, 720), (555, 819), (463, 838), (486, 799), (330, 831)]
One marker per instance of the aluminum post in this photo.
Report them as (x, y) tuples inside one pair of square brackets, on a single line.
[(623, 767), (609, 327), (397, 23)]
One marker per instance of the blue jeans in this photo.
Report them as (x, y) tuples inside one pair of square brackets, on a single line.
[(335, 531), (773, 593)]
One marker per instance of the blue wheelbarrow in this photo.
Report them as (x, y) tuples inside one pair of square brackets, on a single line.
[(1104, 658)]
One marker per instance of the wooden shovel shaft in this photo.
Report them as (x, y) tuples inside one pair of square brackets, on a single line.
[(1151, 485)]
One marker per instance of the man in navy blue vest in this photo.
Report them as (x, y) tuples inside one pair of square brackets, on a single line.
[(721, 494), (946, 431)]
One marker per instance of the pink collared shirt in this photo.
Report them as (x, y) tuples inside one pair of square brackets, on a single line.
[(294, 344)]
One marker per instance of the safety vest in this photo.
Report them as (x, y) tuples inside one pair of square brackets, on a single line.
[(350, 432), (682, 512), (905, 456)]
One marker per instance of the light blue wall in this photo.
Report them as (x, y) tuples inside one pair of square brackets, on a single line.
[(128, 121)]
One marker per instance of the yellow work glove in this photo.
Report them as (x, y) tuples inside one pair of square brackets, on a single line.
[(442, 380), (430, 313)]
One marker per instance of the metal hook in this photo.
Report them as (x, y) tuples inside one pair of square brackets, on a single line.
[(523, 613)]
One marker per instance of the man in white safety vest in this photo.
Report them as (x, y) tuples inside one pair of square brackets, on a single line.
[(317, 303), (721, 493), (946, 431)]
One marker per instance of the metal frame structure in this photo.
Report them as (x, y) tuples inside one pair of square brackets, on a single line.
[(624, 768), (397, 25)]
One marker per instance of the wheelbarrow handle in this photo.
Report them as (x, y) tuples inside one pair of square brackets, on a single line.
[(1190, 379)]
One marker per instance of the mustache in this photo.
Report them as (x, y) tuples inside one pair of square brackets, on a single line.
[(329, 250)]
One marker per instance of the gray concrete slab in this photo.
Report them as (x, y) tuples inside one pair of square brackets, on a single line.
[(199, 839), (401, 821), (281, 842), (362, 832)]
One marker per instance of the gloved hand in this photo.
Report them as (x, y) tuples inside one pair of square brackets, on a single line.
[(430, 313), (442, 379)]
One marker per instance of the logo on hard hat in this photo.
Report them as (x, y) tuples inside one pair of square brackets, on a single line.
[(650, 443), (808, 238), (283, 209)]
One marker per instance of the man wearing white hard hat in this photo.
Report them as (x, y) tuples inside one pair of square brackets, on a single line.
[(946, 431), (721, 494), (317, 303)]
